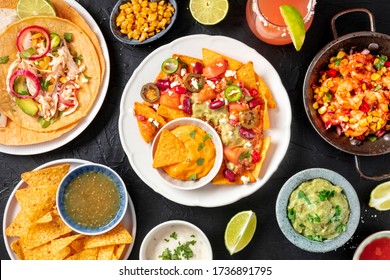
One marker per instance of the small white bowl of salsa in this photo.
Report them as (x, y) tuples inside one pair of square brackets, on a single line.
[(92, 199), (374, 247), (204, 158), (176, 240)]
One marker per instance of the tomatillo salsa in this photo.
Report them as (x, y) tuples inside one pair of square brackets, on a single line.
[(92, 199), (318, 210), (201, 154)]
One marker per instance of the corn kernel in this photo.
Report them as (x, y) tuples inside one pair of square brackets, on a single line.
[(324, 89), (63, 80), (352, 120), (341, 54), (344, 119), (363, 123), (322, 110), (364, 86), (375, 76), (369, 119), (315, 105)]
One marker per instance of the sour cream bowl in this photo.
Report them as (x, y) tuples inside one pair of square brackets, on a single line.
[(168, 236), (92, 199), (195, 183), (302, 241)]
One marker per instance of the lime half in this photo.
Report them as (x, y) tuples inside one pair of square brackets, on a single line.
[(295, 25), (380, 197), (29, 8), (239, 231), (209, 12)]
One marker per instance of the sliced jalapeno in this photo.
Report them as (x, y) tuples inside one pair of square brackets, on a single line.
[(150, 92), (170, 65), (55, 40), (194, 82), (233, 93), (248, 118)]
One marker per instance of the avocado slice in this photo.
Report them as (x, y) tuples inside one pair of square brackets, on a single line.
[(28, 106)]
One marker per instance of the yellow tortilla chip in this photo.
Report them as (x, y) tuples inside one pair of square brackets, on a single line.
[(170, 113), (118, 251), (266, 92), (19, 226), (41, 233), (105, 252), (36, 201), (209, 56), (78, 245), (50, 176), (170, 150), (220, 179), (189, 60), (118, 235), (88, 254), (264, 148), (247, 75), (17, 248), (147, 129)]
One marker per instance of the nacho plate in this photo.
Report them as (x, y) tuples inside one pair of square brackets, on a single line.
[(64, 136), (137, 150), (12, 209)]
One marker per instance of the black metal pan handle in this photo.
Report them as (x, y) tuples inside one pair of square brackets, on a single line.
[(359, 10), (372, 178)]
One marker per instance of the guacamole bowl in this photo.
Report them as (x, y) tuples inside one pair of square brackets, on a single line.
[(329, 202), (92, 199), (187, 153)]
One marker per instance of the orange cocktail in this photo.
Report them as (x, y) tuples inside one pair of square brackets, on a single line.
[(266, 22)]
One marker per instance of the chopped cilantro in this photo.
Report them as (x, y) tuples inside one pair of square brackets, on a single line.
[(200, 161), (341, 228), (68, 37), (27, 53), (315, 237), (45, 85), (173, 235), (337, 61), (182, 251), (192, 134), (193, 177), (291, 215), (301, 194), (337, 216), (4, 59), (325, 194), (207, 136), (200, 146)]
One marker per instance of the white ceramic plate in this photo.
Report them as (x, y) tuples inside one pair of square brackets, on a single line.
[(83, 124), (12, 208), (138, 151)]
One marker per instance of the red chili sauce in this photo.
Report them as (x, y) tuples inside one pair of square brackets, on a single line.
[(378, 249)]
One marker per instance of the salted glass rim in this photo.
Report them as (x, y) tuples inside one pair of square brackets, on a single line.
[(256, 9)]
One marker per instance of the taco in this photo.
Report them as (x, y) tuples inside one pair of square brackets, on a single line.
[(46, 84)]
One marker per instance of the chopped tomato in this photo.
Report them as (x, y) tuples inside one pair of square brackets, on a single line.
[(216, 68), (206, 93), (232, 154), (234, 106), (171, 99)]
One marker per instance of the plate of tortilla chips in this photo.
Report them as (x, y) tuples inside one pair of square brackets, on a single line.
[(33, 229), (26, 134), (245, 62)]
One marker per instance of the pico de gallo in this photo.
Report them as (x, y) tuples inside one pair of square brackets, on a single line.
[(214, 94)]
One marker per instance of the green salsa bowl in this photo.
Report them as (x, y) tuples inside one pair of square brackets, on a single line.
[(317, 198), (92, 199)]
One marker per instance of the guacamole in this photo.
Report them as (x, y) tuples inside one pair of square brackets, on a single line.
[(318, 210)]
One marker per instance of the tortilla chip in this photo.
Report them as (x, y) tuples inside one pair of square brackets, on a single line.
[(78, 245), (41, 233), (17, 249), (105, 252), (118, 235), (209, 56), (88, 254), (189, 60), (170, 150), (170, 113), (147, 129), (263, 151), (50, 176), (118, 251), (266, 92), (247, 75), (220, 179), (19, 226)]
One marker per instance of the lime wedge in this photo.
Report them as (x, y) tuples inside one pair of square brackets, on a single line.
[(28, 8), (209, 12), (239, 231), (380, 197), (295, 25)]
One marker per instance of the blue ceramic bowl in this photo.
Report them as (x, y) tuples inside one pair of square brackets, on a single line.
[(124, 38), (300, 240), (122, 203)]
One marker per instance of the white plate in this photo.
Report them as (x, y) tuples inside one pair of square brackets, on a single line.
[(138, 151), (83, 124), (12, 208)]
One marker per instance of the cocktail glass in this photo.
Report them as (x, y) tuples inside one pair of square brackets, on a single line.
[(266, 22)]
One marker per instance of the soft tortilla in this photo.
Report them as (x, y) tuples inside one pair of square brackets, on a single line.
[(81, 43)]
